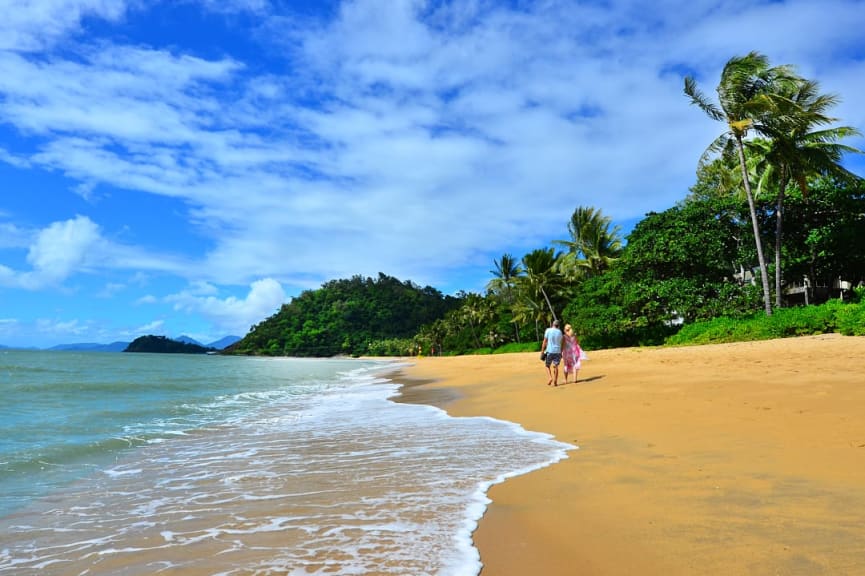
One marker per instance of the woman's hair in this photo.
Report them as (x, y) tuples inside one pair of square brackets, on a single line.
[(567, 327)]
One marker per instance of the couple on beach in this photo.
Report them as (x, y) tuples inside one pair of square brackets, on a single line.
[(558, 347)]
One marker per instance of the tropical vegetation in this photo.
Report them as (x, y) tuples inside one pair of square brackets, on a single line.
[(695, 272), (355, 316)]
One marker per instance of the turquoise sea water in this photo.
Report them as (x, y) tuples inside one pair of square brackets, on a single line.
[(143, 464)]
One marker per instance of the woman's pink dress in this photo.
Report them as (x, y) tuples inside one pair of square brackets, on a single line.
[(571, 354)]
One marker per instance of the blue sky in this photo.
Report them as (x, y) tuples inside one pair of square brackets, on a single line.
[(184, 167)]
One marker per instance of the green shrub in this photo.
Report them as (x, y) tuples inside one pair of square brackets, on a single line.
[(715, 331), (800, 321), (479, 351), (834, 315), (391, 347), (518, 347), (850, 320)]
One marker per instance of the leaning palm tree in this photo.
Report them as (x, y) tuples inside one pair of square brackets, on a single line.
[(745, 97), (540, 277), (797, 151), (593, 245)]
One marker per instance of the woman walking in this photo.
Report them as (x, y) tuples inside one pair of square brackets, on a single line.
[(571, 353)]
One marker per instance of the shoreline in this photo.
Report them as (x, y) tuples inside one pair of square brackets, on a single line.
[(742, 458)]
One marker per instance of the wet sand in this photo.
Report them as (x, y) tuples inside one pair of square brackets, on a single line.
[(731, 459)]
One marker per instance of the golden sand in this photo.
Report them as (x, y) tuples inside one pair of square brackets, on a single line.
[(732, 459)]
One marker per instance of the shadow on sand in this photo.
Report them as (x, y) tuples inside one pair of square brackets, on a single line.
[(581, 381)]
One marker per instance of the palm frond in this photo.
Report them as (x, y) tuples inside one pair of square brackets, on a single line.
[(701, 101)]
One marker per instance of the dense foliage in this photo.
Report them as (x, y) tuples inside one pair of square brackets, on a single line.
[(357, 316), (164, 345), (832, 316)]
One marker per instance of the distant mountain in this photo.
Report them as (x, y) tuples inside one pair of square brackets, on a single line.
[(122, 346), (92, 347), (224, 342)]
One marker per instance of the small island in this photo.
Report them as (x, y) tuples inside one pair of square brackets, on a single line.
[(165, 345)]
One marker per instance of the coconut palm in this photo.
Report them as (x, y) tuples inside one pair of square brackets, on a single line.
[(507, 270), (528, 309), (476, 311), (540, 278), (745, 98), (797, 151), (505, 276), (593, 245)]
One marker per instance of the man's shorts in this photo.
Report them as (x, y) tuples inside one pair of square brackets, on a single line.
[(553, 359)]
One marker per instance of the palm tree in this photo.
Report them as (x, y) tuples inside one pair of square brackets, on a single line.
[(540, 275), (796, 151), (593, 246), (507, 270), (505, 276), (528, 309), (745, 97), (476, 312)]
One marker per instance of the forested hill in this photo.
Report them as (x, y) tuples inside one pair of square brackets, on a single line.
[(344, 317), (163, 345)]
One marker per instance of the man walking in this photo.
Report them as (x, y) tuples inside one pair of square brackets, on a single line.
[(552, 346)]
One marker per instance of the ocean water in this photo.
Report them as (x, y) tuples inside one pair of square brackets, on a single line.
[(139, 464)]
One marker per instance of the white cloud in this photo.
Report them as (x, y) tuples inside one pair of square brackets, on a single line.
[(11, 236), (232, 315), (75, 246), (110, 290), (8, 326), (61, 248), (13, 159), (62, 328), (150, 328), (29, 25)]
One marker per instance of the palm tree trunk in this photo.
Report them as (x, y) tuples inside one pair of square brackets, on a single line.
[(779, 213), (553, 312), (474, 334), (767, 297)]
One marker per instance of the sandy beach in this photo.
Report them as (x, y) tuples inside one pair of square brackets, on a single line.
[(744, 458)]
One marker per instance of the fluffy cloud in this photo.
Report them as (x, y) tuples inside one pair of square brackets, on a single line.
[(232, 315), (61, 248), (29, 25), (149, 328)]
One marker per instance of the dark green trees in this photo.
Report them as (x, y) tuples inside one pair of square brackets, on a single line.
[(345, 317)]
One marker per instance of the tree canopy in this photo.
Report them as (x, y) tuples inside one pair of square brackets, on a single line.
[(346, 317)]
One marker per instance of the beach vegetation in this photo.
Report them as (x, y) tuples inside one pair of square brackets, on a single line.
[(745, 96), (391, 347), (514, 347), (797, 149), (832, 316), (789, 115)]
